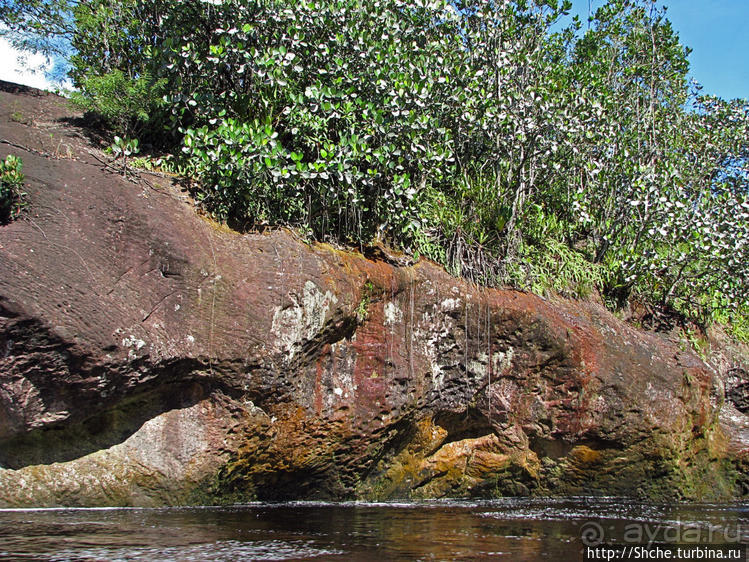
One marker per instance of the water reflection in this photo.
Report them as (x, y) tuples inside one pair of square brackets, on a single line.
[(512, 529)]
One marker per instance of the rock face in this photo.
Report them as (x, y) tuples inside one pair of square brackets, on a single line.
[(149, 356)]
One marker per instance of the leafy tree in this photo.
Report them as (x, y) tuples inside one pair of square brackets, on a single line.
[(38, 25)]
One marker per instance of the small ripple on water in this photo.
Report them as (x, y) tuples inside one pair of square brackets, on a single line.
[(221, 551)]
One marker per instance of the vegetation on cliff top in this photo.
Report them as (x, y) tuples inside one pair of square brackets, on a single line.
[(474, 132)]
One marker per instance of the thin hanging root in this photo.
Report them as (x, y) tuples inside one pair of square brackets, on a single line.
[(213, 307), (411, 331), (489, 353), (465, 348)]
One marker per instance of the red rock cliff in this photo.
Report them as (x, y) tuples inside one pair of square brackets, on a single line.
[(149, 356)]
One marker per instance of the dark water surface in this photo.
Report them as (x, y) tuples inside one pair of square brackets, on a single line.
[(511, 529)]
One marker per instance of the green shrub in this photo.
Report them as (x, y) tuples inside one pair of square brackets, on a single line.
[(556, 268), (11, 185), (322, 115), (125, 104)]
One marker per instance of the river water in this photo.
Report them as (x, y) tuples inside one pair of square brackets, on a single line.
[(510, 529)]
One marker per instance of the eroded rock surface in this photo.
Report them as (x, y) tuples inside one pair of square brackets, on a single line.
[(149, 356)]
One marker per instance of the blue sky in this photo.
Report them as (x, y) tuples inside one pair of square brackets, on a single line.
[(718, 33), (716, 30)]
